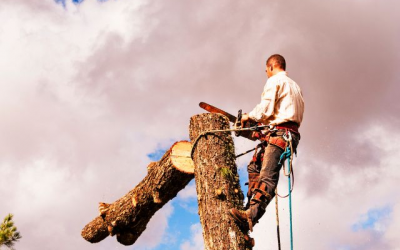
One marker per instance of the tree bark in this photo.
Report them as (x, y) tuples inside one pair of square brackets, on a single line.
[(127, 217), (217, 183)]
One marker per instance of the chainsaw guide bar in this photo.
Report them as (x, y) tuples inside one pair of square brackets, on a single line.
[(232, 118)]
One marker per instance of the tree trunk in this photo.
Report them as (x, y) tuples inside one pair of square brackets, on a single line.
[(127, 217), (217, 183)]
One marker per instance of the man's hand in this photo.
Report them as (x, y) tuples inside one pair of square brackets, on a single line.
[(245, 118)]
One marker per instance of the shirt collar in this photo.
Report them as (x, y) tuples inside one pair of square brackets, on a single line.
[(278, 74)]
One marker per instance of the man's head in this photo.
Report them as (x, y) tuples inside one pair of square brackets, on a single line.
[(275, 64)]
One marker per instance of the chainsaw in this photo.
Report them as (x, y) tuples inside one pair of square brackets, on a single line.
[(236, 120)]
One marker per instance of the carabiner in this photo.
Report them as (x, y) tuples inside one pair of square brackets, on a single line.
[(288, 136)]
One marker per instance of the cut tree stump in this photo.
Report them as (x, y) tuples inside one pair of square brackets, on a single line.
[(217, 183), (127, 217)]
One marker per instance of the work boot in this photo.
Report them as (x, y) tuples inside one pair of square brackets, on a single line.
[(248, 218), (241, 217), (253, 180)]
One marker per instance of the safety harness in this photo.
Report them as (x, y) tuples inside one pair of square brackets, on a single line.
[(285, 143)]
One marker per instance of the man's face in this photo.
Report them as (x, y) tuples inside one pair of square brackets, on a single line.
[(268, 70)]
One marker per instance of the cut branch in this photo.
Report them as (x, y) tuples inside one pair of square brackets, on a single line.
[(127, 217)]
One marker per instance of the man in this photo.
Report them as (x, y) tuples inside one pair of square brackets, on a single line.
[(281, 107)]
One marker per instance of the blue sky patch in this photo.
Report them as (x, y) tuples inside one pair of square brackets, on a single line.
[(157, 154), (375, 219), (63, 2), (179, 223), (184, 215)]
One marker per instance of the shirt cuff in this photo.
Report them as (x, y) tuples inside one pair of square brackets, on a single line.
[(253, 116)]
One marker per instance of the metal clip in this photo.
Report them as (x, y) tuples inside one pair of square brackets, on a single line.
[(288, 136), (272, 129)]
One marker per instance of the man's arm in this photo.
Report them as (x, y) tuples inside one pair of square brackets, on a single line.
[(265, 109)]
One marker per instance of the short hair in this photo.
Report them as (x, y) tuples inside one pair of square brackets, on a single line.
[(277, 60)]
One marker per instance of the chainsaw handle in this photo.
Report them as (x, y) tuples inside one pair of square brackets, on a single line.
[(238, 123)]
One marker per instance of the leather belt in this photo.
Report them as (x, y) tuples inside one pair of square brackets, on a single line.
[(291, 126)]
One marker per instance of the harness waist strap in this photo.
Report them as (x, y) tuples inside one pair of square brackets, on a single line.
[(291, 126)]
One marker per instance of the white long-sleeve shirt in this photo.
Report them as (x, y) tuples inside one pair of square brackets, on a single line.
[(281, 101)]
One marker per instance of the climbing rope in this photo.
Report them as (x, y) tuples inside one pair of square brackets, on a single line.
[(290, 205), (254, 128), (287, 154), (277, 219)]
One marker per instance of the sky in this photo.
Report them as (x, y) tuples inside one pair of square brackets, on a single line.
[(92, 91)]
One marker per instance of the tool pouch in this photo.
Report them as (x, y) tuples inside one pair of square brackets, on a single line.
[(277, 141)]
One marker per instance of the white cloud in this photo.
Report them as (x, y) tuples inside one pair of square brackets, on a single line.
[(189, 192), (391, 235), (88, 91), (62, 151), (196, 241), (156, 229)]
